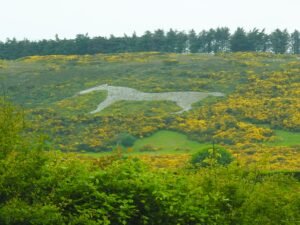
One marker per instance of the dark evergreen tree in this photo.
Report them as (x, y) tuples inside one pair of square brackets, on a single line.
[(205, 42), (221, 39), (181, 42), (96, 45), (82, 43), (295, 42), (213, 40), (133, 43), (146, 42), (279, 41), (193, 42), (171, 41), (239, 41), (257, 40), (159, 40)]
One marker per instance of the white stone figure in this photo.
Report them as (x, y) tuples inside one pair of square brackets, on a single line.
[(115, 94)]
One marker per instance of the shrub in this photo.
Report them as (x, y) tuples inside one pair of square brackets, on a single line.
[(55, 188), (125, 139), (11, 125), (149, 148), (209, 156)]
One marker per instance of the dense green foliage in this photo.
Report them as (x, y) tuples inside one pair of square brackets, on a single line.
[(207, 41), (11, 124), (211, 156), (41, 188)]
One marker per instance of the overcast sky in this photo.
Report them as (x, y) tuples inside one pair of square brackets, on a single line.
[(39, 19)]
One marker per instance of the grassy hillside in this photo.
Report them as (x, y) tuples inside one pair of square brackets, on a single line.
[(260, 88), (167, 141)]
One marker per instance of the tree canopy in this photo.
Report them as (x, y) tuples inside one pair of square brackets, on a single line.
[(206, 41)]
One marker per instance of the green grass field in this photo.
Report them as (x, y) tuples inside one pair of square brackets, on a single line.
[(286, 138), (169, 141), (161, 142)]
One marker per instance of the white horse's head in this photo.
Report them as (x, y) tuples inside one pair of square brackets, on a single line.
[(97, 88)]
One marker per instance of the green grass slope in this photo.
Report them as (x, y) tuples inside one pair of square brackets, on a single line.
[(168, 141)]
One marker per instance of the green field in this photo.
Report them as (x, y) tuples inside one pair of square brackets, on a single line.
[(172, 142), (169, 141), (286, 138), (161, 142)]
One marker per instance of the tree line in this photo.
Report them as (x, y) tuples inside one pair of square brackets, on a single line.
[(207, 41)]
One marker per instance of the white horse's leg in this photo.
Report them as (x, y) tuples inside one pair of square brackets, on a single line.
[(107, 102), (185, 107)]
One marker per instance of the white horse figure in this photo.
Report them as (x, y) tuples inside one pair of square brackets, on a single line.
[(115, 94)]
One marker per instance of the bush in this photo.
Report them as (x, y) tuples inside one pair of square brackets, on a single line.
[(19, 212), (125, 139), (209, 156), (149, 148), (11, 125), (55, 188)]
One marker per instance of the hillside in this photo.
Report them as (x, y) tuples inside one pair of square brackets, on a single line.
[(258, 117)]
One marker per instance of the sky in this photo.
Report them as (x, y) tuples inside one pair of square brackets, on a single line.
[(42, 19)]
